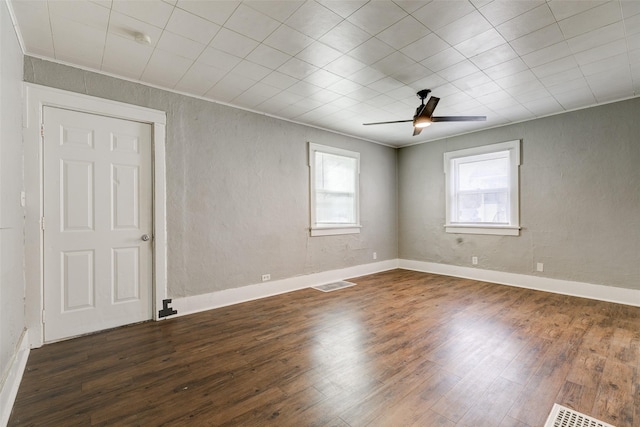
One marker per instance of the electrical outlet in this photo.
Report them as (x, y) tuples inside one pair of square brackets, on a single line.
[(474, 260), (540, 266), (266, 277), (375, 255)]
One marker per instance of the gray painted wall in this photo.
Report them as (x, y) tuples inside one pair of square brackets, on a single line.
[(579, 199), (238, 189), (12, 319)]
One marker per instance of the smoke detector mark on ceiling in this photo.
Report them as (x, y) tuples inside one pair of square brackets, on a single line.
[(141, 38)]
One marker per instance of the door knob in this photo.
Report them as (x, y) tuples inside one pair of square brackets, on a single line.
[(145, 237)]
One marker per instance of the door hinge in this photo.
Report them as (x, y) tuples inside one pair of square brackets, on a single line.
[(44, 317), (42, 130), (42, 223)]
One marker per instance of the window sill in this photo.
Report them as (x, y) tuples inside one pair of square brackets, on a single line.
[(499, 230), (334, 230)]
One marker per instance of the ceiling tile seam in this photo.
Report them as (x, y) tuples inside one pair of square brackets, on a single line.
[(318, 40), (106, 35), (155, 47), (626, 39), (276, 19), (53, 40), (470, 58), (577, 80), (208, 45), (202, 98), (537, 78), (495, 27), (483, 71), (573, 53), (177, 6), (363, 5), (320, 106), (323, 68), (387, 27), (501, 23), (291, 56), (342, 54), (139, 76), (594, 5), (342, 19)]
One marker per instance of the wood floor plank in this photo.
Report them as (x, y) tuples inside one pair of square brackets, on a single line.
[(471, 388), (429, 419), (401, 348), (636, 394), (493, 405), (572, 396), (528, 360), (548, 379), (611, 404), (510, 422)]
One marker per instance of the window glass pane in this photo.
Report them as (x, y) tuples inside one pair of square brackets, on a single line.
[(335, 208), (335, 189), (335, 173), (487, 207), (483, 174), (482, 185)]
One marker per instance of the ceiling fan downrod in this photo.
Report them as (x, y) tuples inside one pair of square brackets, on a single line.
[(423, 94)]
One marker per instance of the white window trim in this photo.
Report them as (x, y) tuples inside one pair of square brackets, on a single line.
[(332, 229), (511, 229)]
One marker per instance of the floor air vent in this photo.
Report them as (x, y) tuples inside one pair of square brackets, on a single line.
[(565, 417), (333, 286)]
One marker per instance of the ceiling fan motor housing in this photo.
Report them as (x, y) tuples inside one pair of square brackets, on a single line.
[(423, 94)]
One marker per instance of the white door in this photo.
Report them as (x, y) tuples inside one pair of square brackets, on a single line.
[(97, 223)]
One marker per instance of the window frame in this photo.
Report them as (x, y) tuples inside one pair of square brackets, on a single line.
[(326, 229), (451, 158)]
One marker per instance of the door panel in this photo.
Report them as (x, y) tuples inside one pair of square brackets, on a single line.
[(77, 195), (77, 280), (126, 209), (97, 205), (126, 265)]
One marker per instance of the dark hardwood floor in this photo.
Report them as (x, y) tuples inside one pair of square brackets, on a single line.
[(399, 349)]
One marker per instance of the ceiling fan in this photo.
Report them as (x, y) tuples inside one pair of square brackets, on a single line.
[(424, 118)]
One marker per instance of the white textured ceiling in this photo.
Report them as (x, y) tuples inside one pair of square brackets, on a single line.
[(338, 64)]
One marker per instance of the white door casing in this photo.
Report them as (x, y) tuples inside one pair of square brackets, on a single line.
[(37, 98), (97, 205)]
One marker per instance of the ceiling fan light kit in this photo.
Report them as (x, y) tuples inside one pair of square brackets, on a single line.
[(424, 114), (421, 122)]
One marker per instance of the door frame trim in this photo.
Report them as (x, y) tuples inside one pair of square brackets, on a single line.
[(36, 97)]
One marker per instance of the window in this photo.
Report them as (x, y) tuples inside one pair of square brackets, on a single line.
[(334, 190), (482, 189)]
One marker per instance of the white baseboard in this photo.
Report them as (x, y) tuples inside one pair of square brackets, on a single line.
[(557, 286), (9, 387), (198, 303)]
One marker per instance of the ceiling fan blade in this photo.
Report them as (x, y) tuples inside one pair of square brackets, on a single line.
[(431, 105), (416, 131), (386, 123), (459, 119)]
